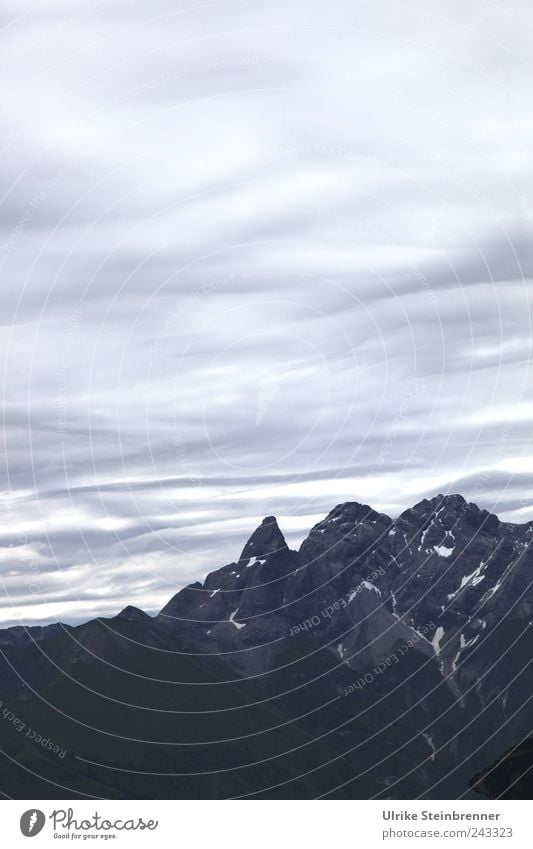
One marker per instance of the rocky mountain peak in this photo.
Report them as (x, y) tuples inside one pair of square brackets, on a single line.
[(448, 510), (266, 540), (132, 613), (353, 511), (348, 516), (426, 508)]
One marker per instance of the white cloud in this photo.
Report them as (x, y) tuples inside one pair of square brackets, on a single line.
[(200, 198)]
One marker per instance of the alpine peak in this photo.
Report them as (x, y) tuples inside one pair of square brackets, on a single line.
[(265, 541)]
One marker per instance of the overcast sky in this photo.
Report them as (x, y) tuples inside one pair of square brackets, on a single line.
[(257, 258)]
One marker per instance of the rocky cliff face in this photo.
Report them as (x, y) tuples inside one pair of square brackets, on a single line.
[(396, 652), (444, 567)]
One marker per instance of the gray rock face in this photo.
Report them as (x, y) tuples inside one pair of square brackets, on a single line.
[(362, 583), (266, 541)]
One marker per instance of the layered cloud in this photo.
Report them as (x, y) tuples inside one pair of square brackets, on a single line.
[(256, 259)]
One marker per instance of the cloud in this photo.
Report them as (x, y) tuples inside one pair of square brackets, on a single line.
[(259, 259)]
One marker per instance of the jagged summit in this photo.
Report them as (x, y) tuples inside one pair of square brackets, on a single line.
[(452, 507), (350, 511), (453, 502), (132, 613), (265, 541)]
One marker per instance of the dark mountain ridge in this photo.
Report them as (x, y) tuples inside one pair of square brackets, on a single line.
[(386, 659)]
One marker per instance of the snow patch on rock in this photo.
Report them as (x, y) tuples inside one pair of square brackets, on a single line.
[(238, 625), (437, 637), (443, 550)]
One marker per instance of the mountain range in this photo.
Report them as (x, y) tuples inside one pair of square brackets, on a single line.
[(384, 659)]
